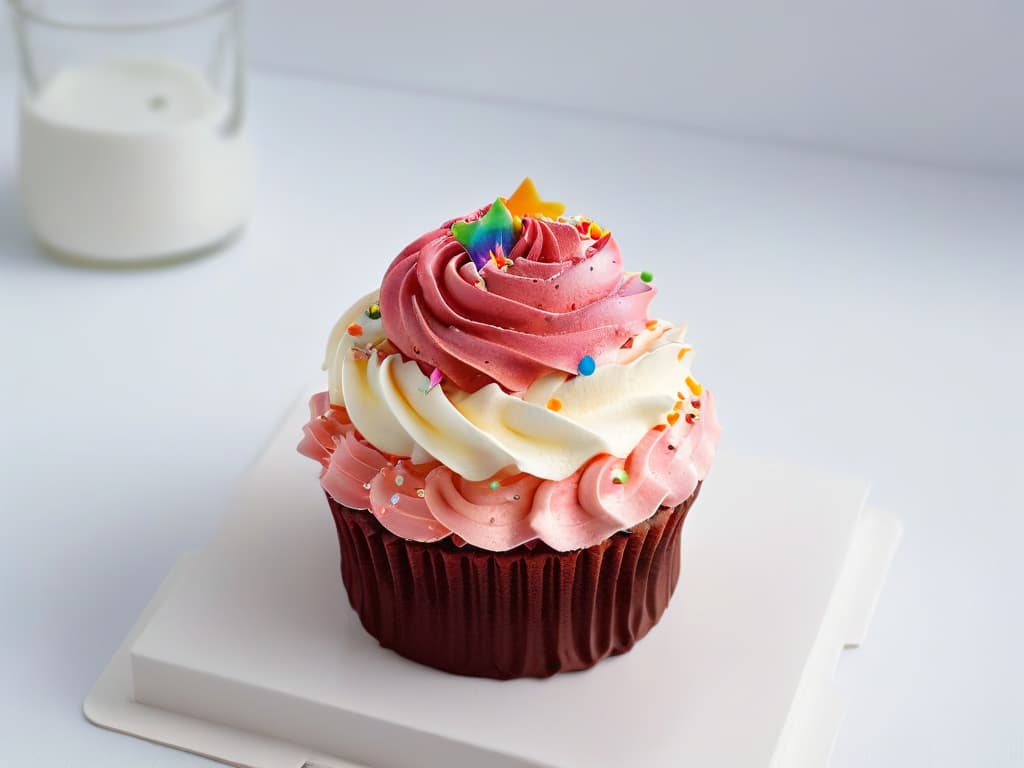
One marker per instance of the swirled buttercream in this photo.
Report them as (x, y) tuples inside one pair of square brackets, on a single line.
[(559, 295), (477, 434), (458, 401), (429, 501)]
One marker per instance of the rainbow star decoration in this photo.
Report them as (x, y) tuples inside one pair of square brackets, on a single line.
[(491, 233)]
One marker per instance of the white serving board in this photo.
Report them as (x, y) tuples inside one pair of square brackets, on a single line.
[(251, 655)]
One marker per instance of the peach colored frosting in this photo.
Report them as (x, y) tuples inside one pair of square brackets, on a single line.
[(428, 502)]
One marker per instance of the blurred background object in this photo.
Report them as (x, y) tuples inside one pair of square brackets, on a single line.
[(131, 145)]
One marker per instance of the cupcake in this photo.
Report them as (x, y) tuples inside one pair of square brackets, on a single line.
[(510, 445)]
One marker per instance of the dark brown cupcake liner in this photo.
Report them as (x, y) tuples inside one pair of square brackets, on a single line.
[(522, 613)]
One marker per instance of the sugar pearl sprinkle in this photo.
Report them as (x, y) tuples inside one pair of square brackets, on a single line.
[(373, 311), (420, 492), (494, 485), (394, 498), (620, 476), (646, 276), (587, 365), (399, 479)]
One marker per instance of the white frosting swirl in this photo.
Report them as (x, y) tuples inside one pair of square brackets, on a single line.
[(552, 429)]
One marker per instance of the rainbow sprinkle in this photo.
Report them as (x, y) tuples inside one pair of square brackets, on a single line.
[(432, 381)]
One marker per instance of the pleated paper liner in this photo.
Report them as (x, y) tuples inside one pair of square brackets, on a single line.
[(522, 613)]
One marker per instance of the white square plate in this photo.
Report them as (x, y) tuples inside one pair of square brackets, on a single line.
[(251, 655)]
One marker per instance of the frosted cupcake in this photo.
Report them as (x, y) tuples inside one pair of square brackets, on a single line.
[(510, 445)]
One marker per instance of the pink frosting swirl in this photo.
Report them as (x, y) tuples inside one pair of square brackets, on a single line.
[(428, 502), (563, 297)]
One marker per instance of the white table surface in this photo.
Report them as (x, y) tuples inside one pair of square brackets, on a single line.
[(849, 315)]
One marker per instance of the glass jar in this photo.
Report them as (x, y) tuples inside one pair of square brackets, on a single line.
[(132, 145)]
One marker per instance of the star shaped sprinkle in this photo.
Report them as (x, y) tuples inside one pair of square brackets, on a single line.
[(493, 231), (525, 201)]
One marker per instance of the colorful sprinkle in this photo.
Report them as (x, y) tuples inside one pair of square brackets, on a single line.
[(498, 258), (678, 406), (495, 228), (694, 386), (682, 352), (355, 330), (432, 381), (525, 201), (515, 497), (554, 404), (692, 417), (420, 492), (695, 402), (587, 365), (601, 242), (646, 276), (620, 476), (494, 485), (399, 480), (366, 486), (673, 418), (652, 324), (373, 312), (394, 498), (588, 228)]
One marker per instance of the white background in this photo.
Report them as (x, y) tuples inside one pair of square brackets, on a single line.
[(934, 80), (849, 314), (937, 81)]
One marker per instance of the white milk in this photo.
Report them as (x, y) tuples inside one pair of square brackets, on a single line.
[(131, 161)]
